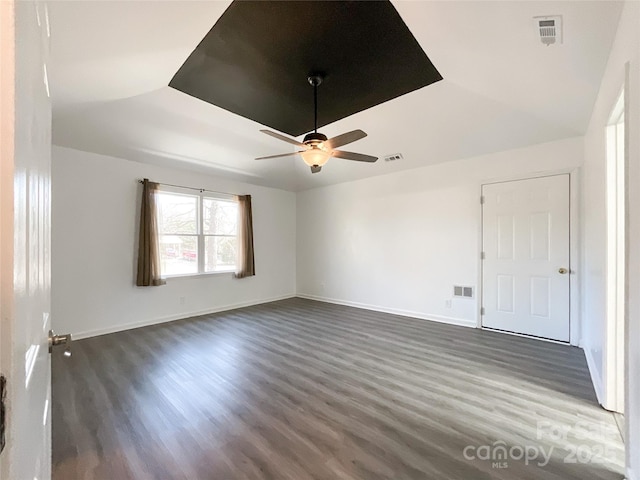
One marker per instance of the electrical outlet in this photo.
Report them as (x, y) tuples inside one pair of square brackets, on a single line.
[(447, 303), (182, 300)]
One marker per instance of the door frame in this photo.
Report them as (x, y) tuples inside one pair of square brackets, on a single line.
[(615, 336), (574, 248)]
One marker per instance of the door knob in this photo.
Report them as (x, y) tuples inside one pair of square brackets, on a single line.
[(562, 271), (60, 340)]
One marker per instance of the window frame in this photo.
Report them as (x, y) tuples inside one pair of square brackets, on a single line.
[(200, 235)]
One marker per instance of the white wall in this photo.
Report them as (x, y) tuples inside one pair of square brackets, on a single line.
[(399, 242), (594, 235), (95, 211)]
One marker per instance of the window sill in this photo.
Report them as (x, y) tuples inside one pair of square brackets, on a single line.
[(195, 275)]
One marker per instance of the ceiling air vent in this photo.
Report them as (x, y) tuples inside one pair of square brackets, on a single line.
[(393, 157), (549, 29)]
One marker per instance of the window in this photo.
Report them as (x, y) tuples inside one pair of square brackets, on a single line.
[(197, 233)]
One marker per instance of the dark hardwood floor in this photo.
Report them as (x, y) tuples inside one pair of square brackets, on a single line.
[(298, 390)]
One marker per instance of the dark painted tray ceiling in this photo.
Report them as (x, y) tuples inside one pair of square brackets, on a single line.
[(255, 61)]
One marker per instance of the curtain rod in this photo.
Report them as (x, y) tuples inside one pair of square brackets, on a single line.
[(193, 188)]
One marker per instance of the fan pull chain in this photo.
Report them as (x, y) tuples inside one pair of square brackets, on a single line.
[(315, 108)]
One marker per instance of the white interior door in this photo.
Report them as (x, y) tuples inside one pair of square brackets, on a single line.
[(525, 271), (25, 131)]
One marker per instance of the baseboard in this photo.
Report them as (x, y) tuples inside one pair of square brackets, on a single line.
[(394, 311), (171, 318), (524, 335), (595, 377)]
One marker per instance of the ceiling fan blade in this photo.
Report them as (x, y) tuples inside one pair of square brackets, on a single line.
[(292, 141), (279, 155), (345, 138), (315, 169), (359, 157)]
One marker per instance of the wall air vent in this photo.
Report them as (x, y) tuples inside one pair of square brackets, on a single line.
[(393, 157), (461, 291), (549, 29)]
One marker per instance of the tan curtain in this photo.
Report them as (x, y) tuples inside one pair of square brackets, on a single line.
[(246, 263), (148, 244)]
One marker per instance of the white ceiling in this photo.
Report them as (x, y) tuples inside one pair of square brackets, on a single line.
[(111, 62)]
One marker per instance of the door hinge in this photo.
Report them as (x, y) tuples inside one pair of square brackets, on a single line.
[(481, 199), (481, 310), (482, 256), (3, 412)]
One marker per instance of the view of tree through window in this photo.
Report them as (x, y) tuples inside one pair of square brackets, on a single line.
[(220, 223), (197, 233)]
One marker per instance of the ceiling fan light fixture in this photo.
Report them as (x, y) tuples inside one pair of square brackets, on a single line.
[(317, 148), (315, 156)]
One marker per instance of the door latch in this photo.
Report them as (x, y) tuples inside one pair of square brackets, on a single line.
[(55, 340)]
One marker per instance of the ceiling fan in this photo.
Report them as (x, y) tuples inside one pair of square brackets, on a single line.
[(317, 149)]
